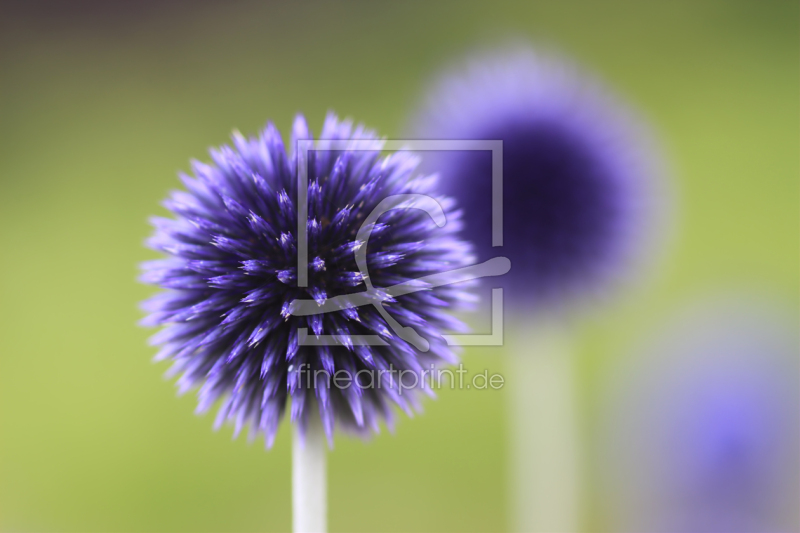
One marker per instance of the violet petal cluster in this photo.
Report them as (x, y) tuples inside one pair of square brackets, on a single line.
[(231, 277), (578, 171), (702, 425)]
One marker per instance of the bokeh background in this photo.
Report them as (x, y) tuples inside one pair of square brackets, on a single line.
[(101, 103)]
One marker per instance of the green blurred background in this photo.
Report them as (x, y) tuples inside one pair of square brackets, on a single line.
[(101, 104)]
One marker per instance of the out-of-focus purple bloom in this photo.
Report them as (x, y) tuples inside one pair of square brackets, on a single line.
[(577, 171), (703, 428), (231, 276)]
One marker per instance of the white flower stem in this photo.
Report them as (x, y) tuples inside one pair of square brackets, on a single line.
[(545, 451), (309, 479)]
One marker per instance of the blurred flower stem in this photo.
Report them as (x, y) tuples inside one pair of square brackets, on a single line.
[(544, 459), (309, 477)]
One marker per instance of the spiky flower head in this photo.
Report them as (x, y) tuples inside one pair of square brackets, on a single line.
[(702, 425), (577, 171), (232, 277)]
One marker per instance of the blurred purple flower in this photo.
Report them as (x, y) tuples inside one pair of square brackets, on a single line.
[(703, 430), (232, 274), (577, 171)]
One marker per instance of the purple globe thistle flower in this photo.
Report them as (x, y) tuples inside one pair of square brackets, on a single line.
[(232, 276), (577, 171), (702, 428)]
